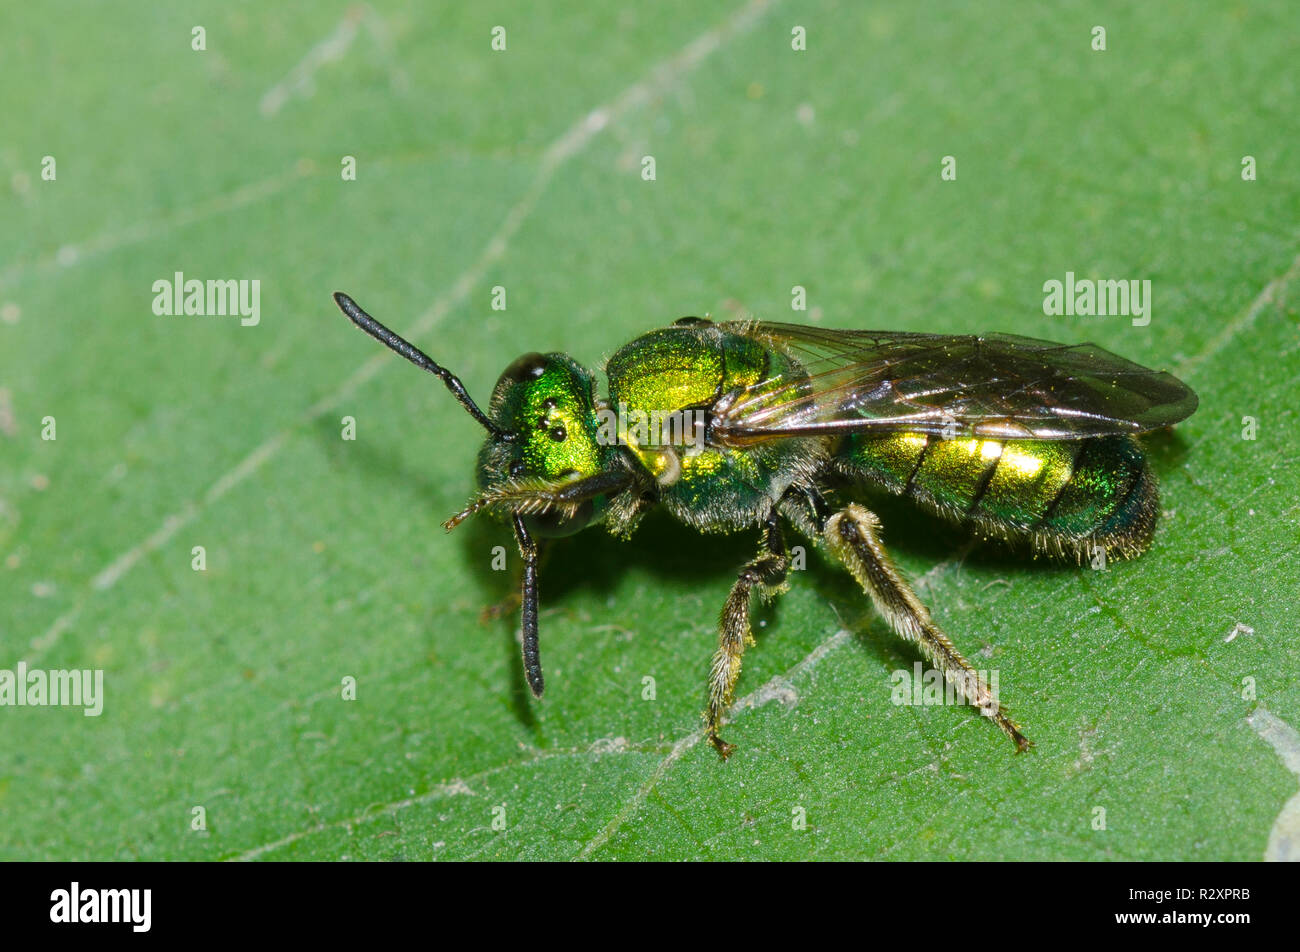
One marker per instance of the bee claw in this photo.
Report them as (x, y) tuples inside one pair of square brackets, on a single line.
[(722, 747)]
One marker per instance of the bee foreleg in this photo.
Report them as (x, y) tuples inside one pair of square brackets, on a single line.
[(539, 496), (852, 535), (767, 571)]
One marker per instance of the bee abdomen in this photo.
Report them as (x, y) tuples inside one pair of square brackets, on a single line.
[(1110, 502), (1066, 497)]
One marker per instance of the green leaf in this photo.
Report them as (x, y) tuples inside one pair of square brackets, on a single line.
[(1161, 691)]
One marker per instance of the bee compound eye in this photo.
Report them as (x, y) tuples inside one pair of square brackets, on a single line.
[(528, 367)]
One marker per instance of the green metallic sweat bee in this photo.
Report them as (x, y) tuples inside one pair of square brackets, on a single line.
[(742, 425)]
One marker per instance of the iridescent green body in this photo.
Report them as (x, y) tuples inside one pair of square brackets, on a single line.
[(752, 425), (686, 369), (1062, 496)]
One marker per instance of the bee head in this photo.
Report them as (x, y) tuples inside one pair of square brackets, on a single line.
[(545, 408), (542, 423)]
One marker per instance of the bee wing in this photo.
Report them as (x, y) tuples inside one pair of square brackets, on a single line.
[(998, 386)]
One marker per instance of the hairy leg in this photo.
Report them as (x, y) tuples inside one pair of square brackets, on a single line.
[(533, 497), (853, 537), (766, 572)]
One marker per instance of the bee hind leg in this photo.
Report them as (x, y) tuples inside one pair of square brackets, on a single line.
[(767, 572), (853, 537)]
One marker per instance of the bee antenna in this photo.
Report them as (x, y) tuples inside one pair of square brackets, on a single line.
[(416, 356)]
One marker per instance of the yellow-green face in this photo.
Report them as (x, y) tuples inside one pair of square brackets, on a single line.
[(548, 403)]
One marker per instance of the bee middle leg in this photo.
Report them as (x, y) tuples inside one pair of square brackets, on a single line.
[(767, 572), (852, 535)]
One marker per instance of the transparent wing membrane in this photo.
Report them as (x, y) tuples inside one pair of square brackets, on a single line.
[(998, 386)]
